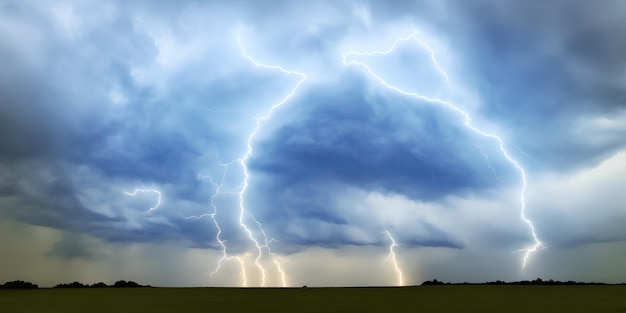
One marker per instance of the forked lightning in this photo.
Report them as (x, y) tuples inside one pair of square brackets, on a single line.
[(347, 61)]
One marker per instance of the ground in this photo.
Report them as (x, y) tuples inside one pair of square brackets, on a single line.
[(465, 298)]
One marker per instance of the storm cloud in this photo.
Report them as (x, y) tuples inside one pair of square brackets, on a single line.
[(101, 99)]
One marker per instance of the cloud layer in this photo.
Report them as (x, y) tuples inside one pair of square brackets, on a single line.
[(98, 100)]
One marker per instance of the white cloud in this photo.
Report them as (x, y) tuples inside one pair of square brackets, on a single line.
[(581, 207)]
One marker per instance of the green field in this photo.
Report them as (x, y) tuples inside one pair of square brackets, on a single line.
[(459, 298)]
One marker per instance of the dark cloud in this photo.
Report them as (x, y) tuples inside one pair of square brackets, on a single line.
[(380, 142), (43, 194), (543, 66), (377, 143), (538, 66)]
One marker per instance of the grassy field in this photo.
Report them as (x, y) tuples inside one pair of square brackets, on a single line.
[(408, 299)]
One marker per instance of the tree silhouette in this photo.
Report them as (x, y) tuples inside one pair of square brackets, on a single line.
[(19, 284), (126, 284), (71, 285)]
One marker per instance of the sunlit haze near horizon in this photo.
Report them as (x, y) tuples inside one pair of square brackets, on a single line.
[(318, 143)]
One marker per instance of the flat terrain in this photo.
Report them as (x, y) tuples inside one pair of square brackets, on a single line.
[(455, 298)]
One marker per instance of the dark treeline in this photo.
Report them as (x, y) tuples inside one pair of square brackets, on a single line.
[(19, 284), (537, 281), (118, 284)]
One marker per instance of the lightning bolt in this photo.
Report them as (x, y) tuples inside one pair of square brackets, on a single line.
[(537, 244), (134, 193), (222, 243), (392, 256), (244, 159), (264, 245)]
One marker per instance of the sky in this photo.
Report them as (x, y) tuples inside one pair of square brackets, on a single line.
[(318, 143)]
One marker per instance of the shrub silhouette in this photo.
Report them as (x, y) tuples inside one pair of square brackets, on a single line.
[(433, 282), (19, 284), (126, 284), (99, 285), (71, 285)]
